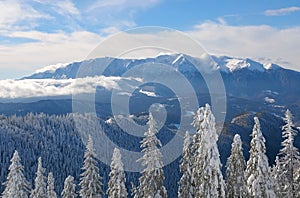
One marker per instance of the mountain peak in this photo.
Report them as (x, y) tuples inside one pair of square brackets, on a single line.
[(230, 64), (273, 66)]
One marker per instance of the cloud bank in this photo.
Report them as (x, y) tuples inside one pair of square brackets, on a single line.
[(13, 89)]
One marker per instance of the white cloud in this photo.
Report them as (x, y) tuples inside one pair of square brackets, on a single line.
[(13, 12), (52, 68), (49, 48), (282, 11), (12, 89), (279, 45), (68, 6), (110, 30), (63, 7)]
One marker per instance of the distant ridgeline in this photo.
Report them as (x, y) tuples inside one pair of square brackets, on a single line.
[(56, 140)]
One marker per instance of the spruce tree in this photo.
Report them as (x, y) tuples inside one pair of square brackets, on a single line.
[(276, 173), (288, 163), (116, 184), (186, 187), (236, 185), (151, 181), (258, 174), (297, 182), (50, 187), (40, 187), (196, 150), (90, 181), (16, 185), (69, 188), (206, 160)]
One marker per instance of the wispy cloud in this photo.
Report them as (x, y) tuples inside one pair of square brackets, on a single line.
[(68, 6), (282, 11), (18, 15), (116, 13), (122, 4), (62, 7)]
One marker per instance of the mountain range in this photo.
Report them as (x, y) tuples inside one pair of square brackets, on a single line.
[(249, 85)]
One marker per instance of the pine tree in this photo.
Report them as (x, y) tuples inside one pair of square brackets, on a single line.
[(116, 184), (236, 185), (50, 187), (69, 188), (90, 181), (16, 185), (288, 163), (206, 160), (40, 190), (186, 187), (258, 174), (151, 181)]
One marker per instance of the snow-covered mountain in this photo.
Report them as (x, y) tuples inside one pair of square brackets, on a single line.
[(250, 85), (181, 62)]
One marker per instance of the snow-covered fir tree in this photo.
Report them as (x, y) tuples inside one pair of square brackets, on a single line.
[(116, 184), (236, 185), (206, 160), (40, 186), (69, 188), (90, 180), (258, 173), (50, 186), (186, 187), (16, 185), (196, 147), (297, 182), (288, 163), (151, 181), (275, 172)]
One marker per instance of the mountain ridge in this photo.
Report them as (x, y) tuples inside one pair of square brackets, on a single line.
[(225, 64)]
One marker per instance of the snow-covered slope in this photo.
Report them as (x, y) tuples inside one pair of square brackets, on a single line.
[(181, 62), (230, 64)]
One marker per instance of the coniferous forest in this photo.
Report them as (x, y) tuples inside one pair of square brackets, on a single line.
[(43, 156)]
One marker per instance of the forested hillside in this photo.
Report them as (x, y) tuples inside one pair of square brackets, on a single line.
[(61, 146)]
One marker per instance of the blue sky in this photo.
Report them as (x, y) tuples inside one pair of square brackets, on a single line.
[(38, 33)]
